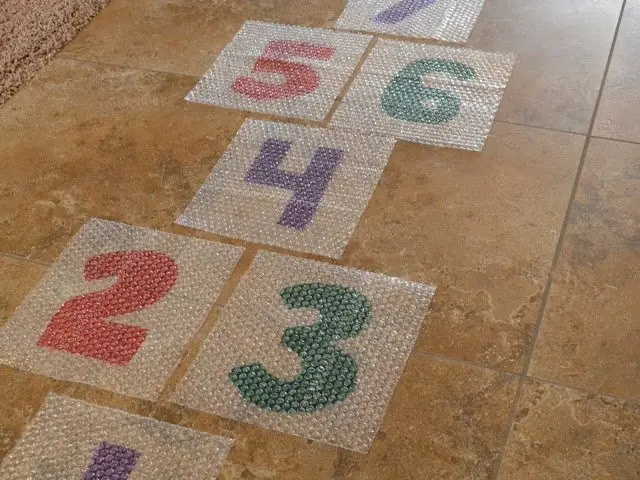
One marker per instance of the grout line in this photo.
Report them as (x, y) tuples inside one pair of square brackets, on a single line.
[(462, 361), (556, 256), (13, 256), (547, 129), (632, 142), (194, 346), (119, 65), (585, 390)]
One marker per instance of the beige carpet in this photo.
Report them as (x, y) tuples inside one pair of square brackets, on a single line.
[(32, 31)]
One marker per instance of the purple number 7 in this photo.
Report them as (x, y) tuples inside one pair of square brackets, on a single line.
[(401, 11), (308, 187)]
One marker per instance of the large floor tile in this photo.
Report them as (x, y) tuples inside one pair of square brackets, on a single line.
[(590, 335), (90, 140), (562, 434), (480, 226), (185, 36), (619, 112), (446, 421), (562, 51)]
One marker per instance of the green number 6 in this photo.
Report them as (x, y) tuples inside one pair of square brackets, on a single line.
[(327, 375), (405, 97)]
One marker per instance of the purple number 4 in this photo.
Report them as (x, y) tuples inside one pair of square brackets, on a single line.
[(401, 11), (308, 187), (111, 462)]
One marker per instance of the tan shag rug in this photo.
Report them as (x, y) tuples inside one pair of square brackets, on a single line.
[(32, 31)]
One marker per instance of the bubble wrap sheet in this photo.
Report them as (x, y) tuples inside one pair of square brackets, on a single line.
[(309, 349), (119, 308), (289, 71), (446, 20), (73, 440), (292, 186), (427, 94)]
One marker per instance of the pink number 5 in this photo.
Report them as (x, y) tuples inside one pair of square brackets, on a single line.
[(300, 79), (81, 325)]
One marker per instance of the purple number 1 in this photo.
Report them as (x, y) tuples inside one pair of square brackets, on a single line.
[(112, 462), (308, 187), (401, 11)]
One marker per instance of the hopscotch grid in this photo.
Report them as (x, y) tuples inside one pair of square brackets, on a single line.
[(212, 322)]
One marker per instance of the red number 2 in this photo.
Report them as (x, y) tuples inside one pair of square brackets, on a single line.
[(81, 325), (299, 78)]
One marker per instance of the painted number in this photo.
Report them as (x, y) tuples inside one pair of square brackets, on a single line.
[(406, 96), (81, 325), (327, 375), (401, 11), (308, 187), (300, 79), (112, 462)]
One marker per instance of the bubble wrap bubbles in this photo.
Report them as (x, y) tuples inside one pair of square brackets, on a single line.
[(292, 186), (295, 72), (119, 308), (69, 439), (427, 94), (309, 349), (446, 20)]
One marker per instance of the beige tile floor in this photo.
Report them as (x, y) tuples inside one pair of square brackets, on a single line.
[(529, 366)]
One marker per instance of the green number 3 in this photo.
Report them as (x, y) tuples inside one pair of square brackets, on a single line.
[(327, 375), (405, 97)]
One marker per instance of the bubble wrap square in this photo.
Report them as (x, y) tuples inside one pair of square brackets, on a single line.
[(284, 70), (292, 186), (427, 94), (446, 20), (69, 439), (119, 308), (309, 349)]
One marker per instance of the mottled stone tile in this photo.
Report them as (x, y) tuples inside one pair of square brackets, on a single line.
[(480, 226), (446, 421), (619, 111), (562, 51), (185, 36), (563, 434), (17, 278), (590, 334), (88, 140)]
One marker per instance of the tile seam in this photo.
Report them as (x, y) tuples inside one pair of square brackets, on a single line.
[(128, 67), (22, 258)]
